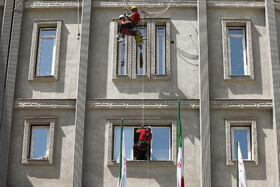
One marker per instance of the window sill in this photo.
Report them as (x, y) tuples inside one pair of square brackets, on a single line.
[(246, 163), (43, 78), (37, 162), (239, 78), (144, 163), (141, 77)]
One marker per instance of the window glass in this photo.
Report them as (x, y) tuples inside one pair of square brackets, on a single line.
[(39, 142), (122, 65), (128, 134), (160, 51), (161, 143), (46, 52), (242, 135), (141, 54), (160, 146), (237, 52)]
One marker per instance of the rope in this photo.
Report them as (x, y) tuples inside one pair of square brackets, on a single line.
[(155, 14)]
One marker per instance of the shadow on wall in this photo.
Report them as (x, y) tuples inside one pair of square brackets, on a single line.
[(65, 56), (166, 88), (223, 89), (31, 175)]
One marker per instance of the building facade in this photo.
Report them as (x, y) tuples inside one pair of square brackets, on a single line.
[(66, 83)]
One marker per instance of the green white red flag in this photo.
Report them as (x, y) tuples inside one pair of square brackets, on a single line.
[(180, 158), (122, 160), (242, 181)]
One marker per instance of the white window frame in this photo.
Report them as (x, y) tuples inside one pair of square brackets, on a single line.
[(27, 140), (163, 50), (231, 124), (33, 127), (136, 123), (233, 144), (35, 50), (245, 64), (39, 50), (248, 50), (125, 59), (138, 60)]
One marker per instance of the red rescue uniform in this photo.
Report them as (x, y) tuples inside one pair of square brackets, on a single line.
[(135, 17)]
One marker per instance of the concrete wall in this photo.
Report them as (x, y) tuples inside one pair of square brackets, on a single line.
[(184, 59), (258, 88), (96, 171), (261, 175), (58, 174), (66, 86)]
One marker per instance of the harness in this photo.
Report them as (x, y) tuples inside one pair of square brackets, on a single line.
[(142, 144)]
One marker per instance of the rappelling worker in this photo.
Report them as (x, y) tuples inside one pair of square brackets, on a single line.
[(130, 24), (142, 147), (124, 30)]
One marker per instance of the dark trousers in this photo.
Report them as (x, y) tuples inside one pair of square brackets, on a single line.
[(142, 151), (128, 25)]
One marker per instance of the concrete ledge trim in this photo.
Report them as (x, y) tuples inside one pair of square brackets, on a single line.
[(146, 103), (44, 104), (106, 4)]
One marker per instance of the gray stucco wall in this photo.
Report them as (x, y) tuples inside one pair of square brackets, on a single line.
[(261, 175), (66, 85), (258, 88), (96, 171), (184, 59), (58, 174)]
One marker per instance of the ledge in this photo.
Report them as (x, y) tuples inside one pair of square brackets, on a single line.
[(144, 163), (241, 104), (139, 104), (119, 4), (259, 104), (44, 104)]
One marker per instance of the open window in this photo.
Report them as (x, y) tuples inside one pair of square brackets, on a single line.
[(162, 146), (160, 149)]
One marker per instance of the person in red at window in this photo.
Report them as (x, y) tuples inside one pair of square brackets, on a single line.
[(133, 20), (142, 147), (124, 30)]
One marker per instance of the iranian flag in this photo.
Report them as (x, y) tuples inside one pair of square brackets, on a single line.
[(122, 160), (241, 174), (180, 158)]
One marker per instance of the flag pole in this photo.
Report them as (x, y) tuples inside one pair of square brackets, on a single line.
[(179, 127), (120, 158), (237, 172)]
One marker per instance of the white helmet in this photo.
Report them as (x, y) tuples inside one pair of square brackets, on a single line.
[(121, 16)]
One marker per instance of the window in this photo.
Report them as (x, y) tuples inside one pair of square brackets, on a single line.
[(237, 50), (242, 135), (38, 141), (163, 144), (152, 60), (39, 148), (160, 145), (122, 55), (45, 50), (245, 132), (141, 54), (160, 51)]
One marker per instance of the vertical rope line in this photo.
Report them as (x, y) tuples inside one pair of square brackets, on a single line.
[(78, 19)]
